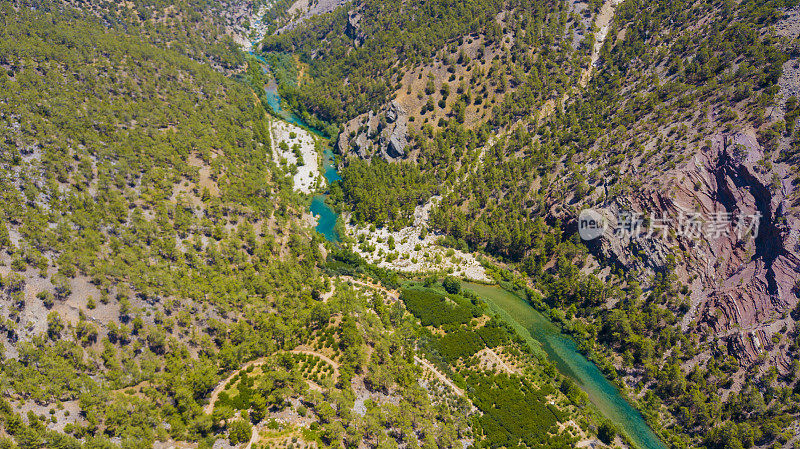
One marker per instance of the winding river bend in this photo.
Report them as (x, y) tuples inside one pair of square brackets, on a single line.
[(534, 327), (327, 216), (563, 352), (326, 224)]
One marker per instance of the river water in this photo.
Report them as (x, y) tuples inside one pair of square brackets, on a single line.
[(563, 352), (532, 325), (326, 224), (326, 216)]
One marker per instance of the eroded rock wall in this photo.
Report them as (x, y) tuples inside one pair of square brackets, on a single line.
[(743, 288)]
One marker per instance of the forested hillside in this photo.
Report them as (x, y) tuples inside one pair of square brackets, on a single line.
[(685, 107), (150, 243), (142, 217), (160, 282)]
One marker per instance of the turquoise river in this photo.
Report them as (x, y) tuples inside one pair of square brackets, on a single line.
[(532, 325), (326, 224), (561, 349)]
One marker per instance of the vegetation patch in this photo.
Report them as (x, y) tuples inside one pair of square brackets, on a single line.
[(435, 309), (516, 413)]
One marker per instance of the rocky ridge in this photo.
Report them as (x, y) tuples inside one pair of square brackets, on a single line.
[(742, 288), (384, 134)]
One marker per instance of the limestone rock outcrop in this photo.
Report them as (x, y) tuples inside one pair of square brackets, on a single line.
[(383, 134)]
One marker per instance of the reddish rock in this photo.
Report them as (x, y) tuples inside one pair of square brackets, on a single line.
[(740, 288)]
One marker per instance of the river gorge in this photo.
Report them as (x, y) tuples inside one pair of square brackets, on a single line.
[(529, 323)]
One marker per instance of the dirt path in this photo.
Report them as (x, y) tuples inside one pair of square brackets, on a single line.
[(328, 295), (253, 438), (498, 361), (603, 24), (439, 375), (324, 357), (209, 408)]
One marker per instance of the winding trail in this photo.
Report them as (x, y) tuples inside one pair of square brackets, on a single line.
[(439, 375), (209, 408), (253, 438)]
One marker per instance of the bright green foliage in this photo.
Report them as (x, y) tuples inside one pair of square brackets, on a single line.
[(493, 334), (384, 194), (513, 409), (606, 432), (434, 309), (451, 285), (459, 344), (239, 431), (464, 343)]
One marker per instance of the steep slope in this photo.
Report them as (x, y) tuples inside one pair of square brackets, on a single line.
[(672, 111), (140, 212), (151, 245), (160, 284)]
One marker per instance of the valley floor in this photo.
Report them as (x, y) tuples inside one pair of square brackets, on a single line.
[(413, 249)]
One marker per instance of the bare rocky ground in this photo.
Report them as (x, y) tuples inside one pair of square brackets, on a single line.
[(363, 394), (245, 20), (307, 175), (789, 83), (66, 412), (237, 14), (415, 254)]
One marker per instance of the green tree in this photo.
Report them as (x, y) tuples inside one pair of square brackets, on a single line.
[(54, 325), (451, 285), (606, 432), (239, 431)]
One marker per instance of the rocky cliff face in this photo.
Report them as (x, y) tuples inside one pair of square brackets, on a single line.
[(742, 287), (353, 30), (383, 134), (303, 10)]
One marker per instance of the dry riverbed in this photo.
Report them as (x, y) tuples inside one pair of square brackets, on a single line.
[(292, 145), (413, 250)]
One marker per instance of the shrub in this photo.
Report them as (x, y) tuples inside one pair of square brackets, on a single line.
[(451, 285), (459, 344), (493, 335), (512, 407), (239, 432)]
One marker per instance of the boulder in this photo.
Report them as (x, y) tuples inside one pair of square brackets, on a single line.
[(398, 141), (394, 111), (383, 133), (359, 145), (397, 146)]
